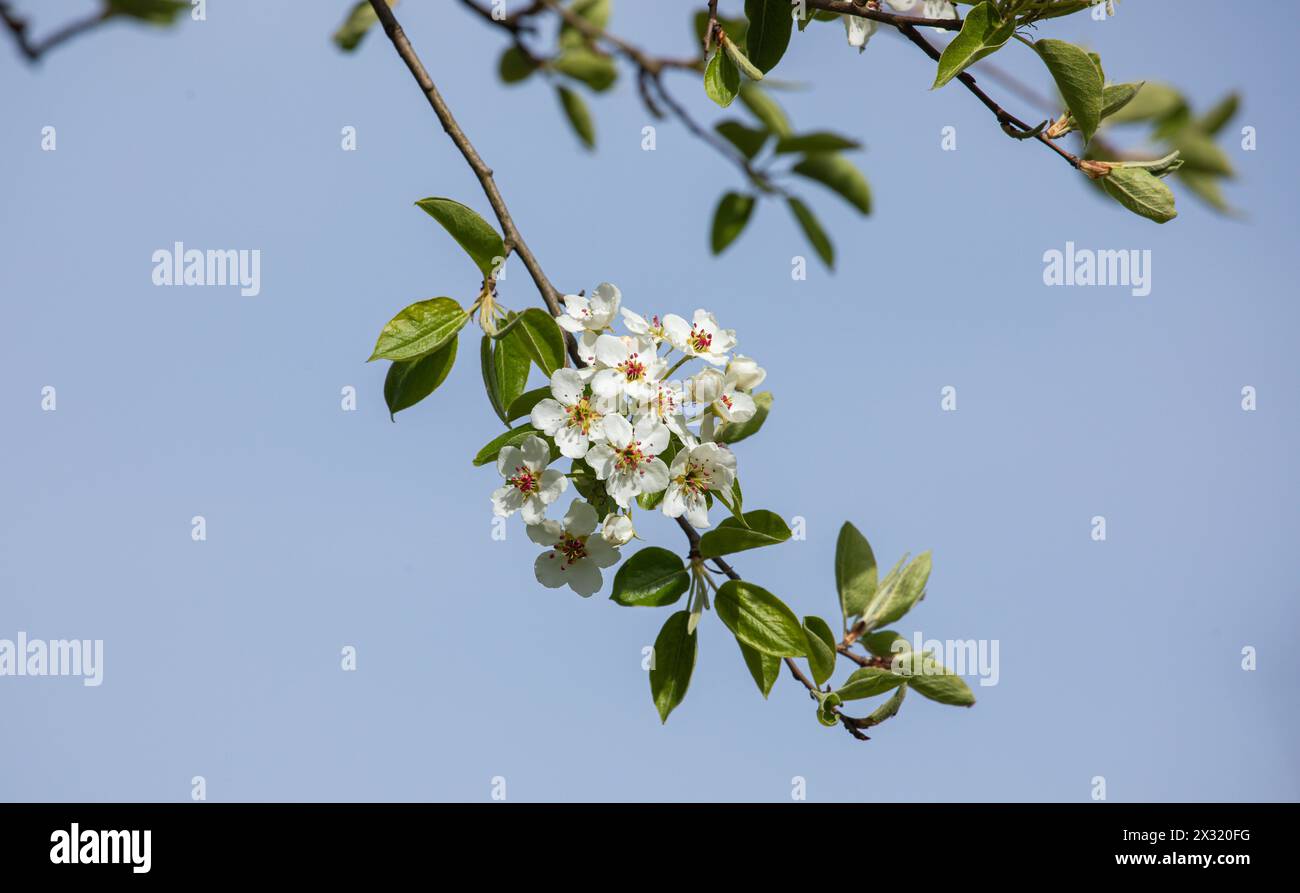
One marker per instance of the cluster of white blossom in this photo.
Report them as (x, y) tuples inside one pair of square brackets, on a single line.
[(621, 414), (860, 29)]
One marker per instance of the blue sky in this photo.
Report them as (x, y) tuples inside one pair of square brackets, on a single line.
[(328, 528)]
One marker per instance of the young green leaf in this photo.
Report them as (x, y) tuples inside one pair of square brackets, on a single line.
[(734, 432), (651, 578), (1223, 111), (764, 108), (721, 79), (729, 219), (1140, 192), (932, 680), (596, 12), (596, 70), (855, 571), (514, 65), (821, 648), (761, 528), (1079, 80), (770, 24), (760, 619), (421, 328), (513, 437), (1153, 102), (749, 141), (898, 593), (510, 361), (839, 174), (812, 230), (882, 644), (763, 667), (818, 141), (523, 405), (348, 36), (982, 33), (889, 708), (410, 381), (1115, 96), (739, 59), (868, 682), (674, 661), (481, 242), (575, 110), (541, 338), (487, 366)]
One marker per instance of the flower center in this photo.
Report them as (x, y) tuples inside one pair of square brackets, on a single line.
[(581, 415), (694, 479), (524, 480), (700, 340), (726, 401), (632, 368), (630, 457), (572, 548)]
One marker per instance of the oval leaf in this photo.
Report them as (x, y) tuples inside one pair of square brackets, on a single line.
[(841, 175), (579, 117), (421, 328), (721, 79), (982, 33), (821, 648), (542, 338), (524, 403), (855, 571), (674, 661), (513, 437), (760, 619), (481, 242), (763, 667), (651, 578), (812, 230), (868, 682), (729, 219), (410, 381), (734, 432), (770, 24), (1140, 192), (1079, 80), (760, 528)]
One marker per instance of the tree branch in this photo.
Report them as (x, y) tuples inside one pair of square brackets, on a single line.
[(33, 51)]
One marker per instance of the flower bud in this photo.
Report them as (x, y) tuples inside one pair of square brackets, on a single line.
[(706, 386), (617, 529), (746, 372)]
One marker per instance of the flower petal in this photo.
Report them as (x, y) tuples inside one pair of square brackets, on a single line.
[(548, 415), (508, 460), (547, 533), (654, 476), (535, 452), (566, 386), (618, 431), (553, 483), (580, 519), (610, 350)]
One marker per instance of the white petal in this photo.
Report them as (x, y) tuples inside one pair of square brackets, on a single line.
[(742, 407), (580, 519), (577, 306), (604, 302), (602, 553), (601, 459), (611, 351), (607, 383), (553, 483), (623, 486), (697, 511), (674, 504), (635, 322), (706, 386), (534, 511), (587, 348), (508, 460), (569, 324), (506, 501), (566, 386), (652, 434), (618, 431), (548, 415), (584, 577), (548, 533), (654, 476), (677, 330), (548, 569), (572, 442), (535, 452)]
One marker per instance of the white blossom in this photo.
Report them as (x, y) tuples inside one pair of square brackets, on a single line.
[(573, 557), (707, 468), (570, 415), (629, 460), (530, 485)]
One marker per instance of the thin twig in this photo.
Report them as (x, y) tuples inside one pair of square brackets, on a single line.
[(33, 51)]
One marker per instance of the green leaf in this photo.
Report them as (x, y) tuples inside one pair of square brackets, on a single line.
[(813, 232), (821, 648), (763, 667), (1216, 118), (982, 33), (733, 28), (421, 328), (734, 432), (770, 24), (596, 12), (1140, 192), (1153, 102), (855, 571), (765, 109), (513, 437), (759, 619), (1201, 154), (514, 65), (839, 174), (721, 79), (898, 593), (674, 661), (881, 644), (487, 366), (932, 680), (867, 682), (1079, 80), (481, 242), (579, 116), (1206, 188), (155, 12), (1115, 96), (523, 405), (826, 704), (348, 36), (729, 219), (542, 338), (596, 70), (410, 381), (761, 528), (748, 140), (651, 578), (889, 708), (818, 141), (510, 363), (741, 61)]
